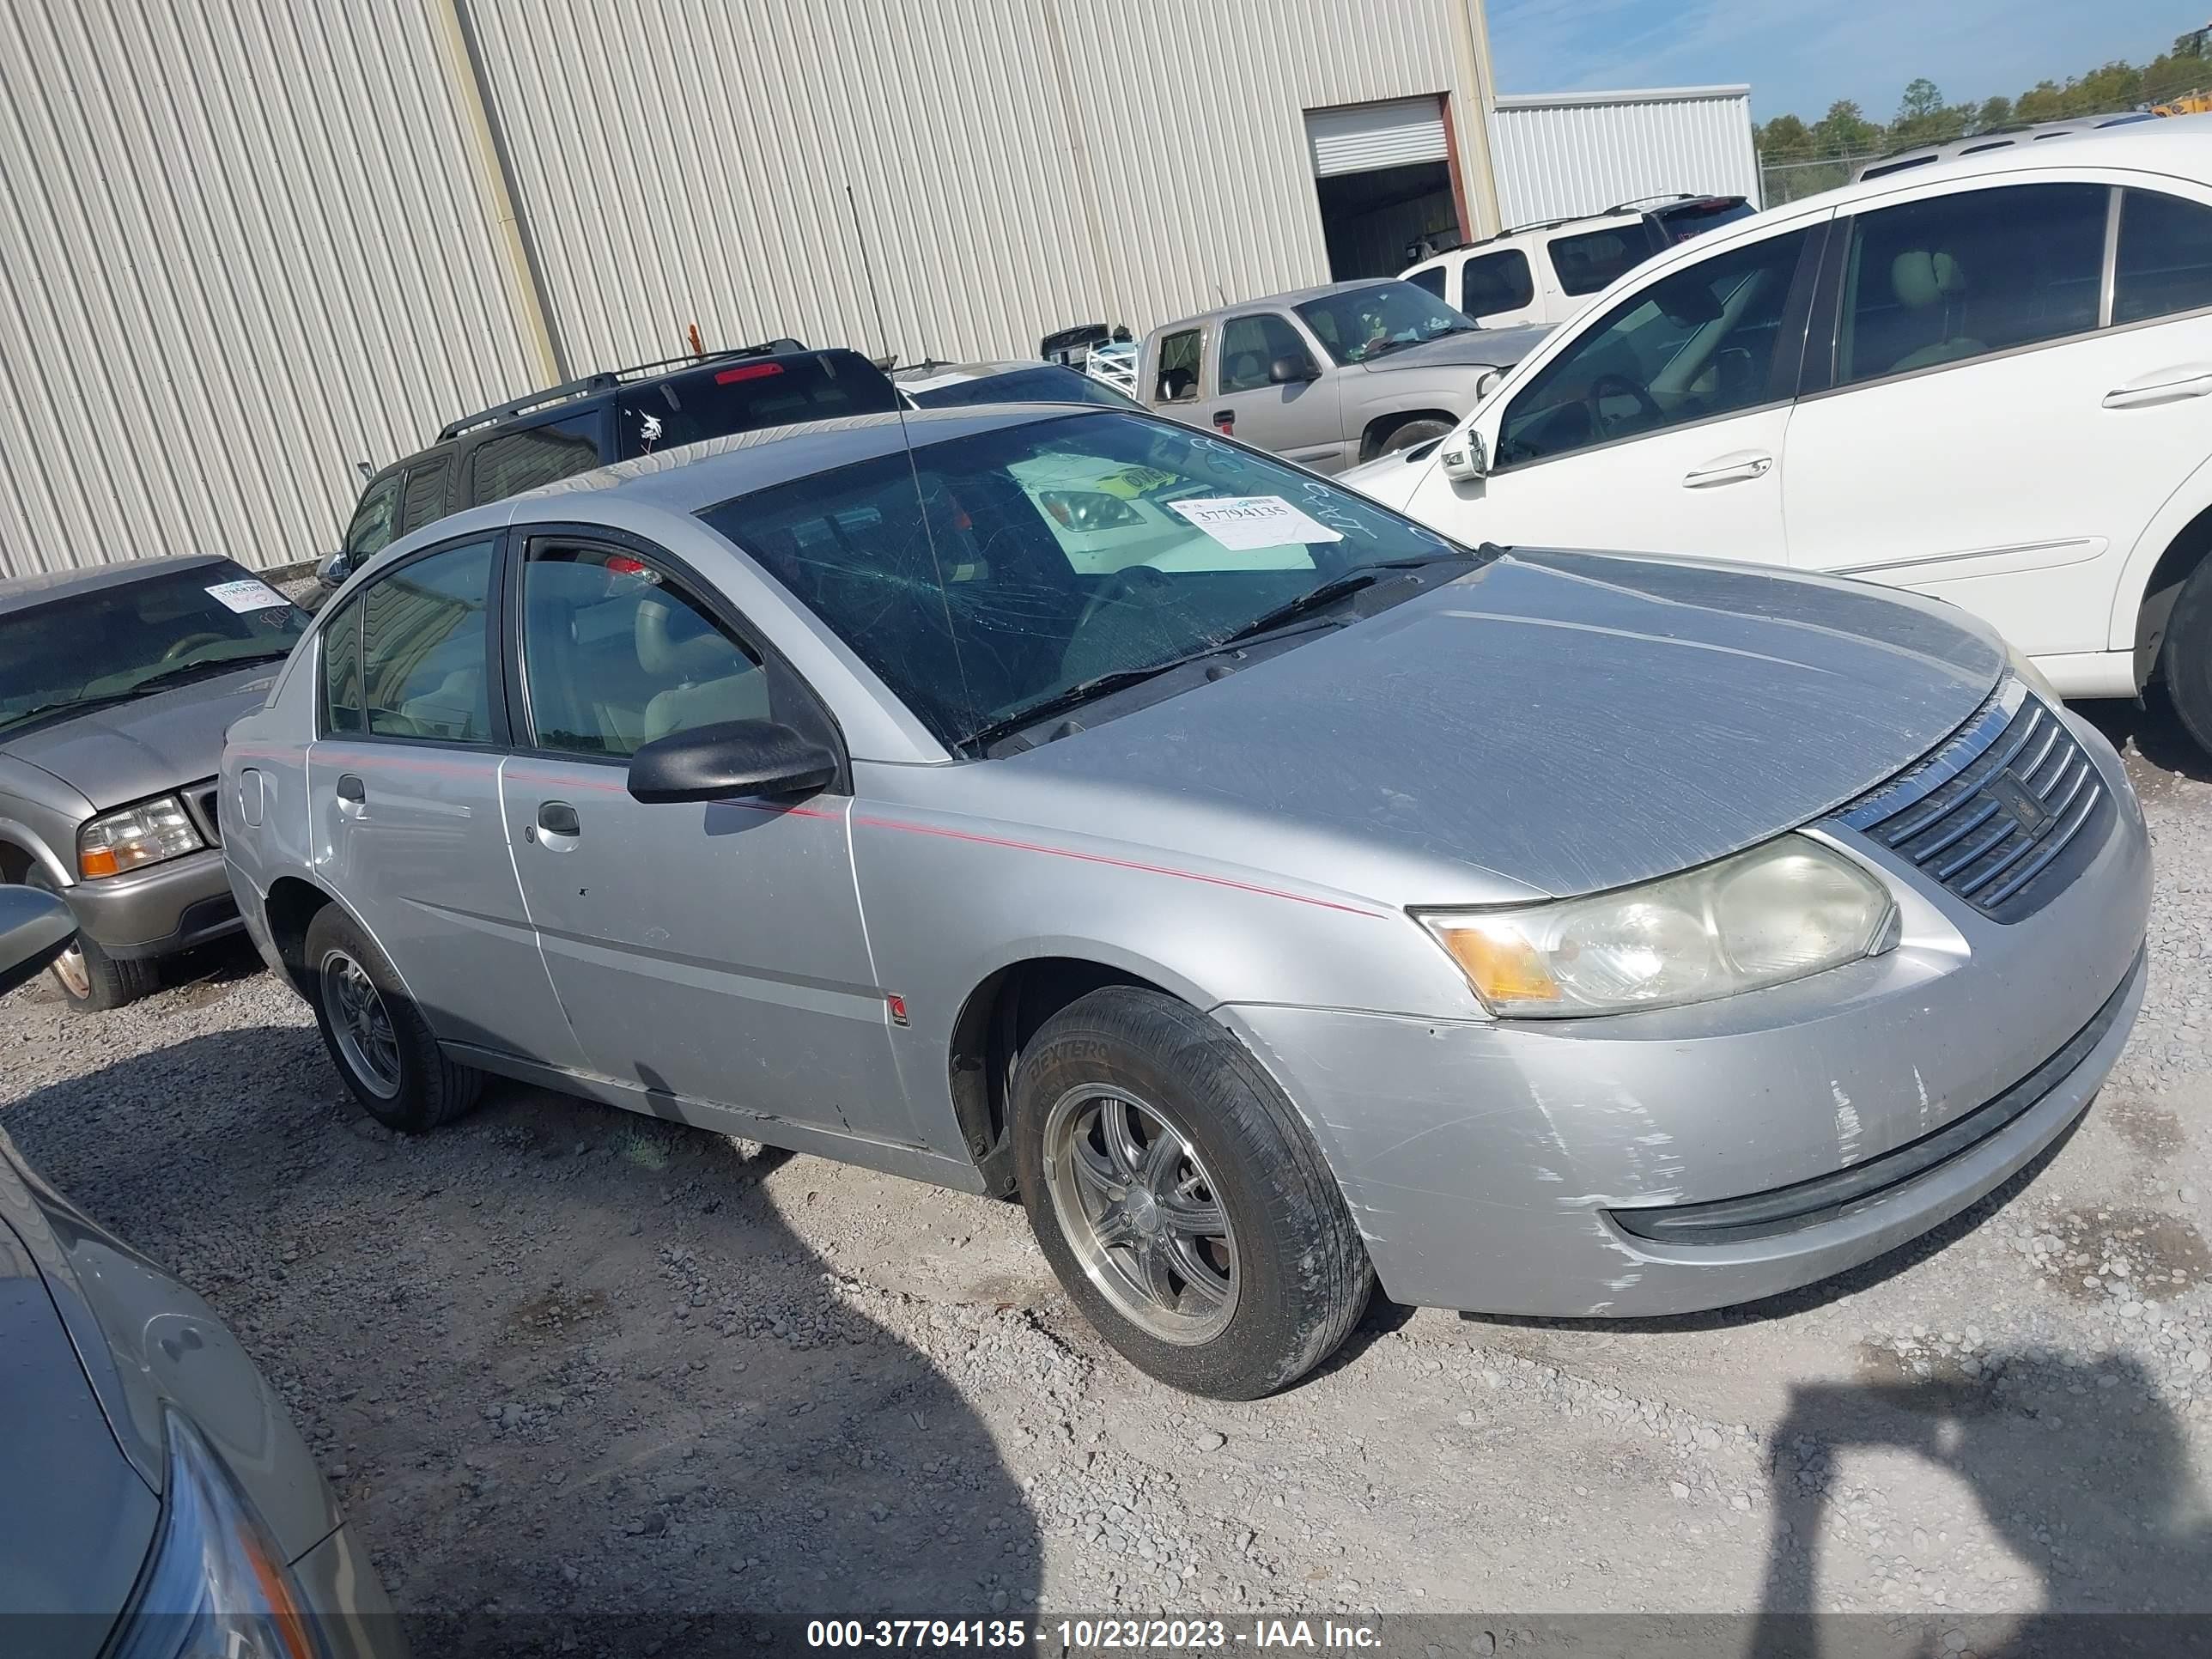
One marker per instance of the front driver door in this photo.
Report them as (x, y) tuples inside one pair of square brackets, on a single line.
[(403, 787), (709, 953), (1658, 428), (1298, 420)]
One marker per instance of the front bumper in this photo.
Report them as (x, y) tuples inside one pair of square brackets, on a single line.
[(1488, 1165), (347, 1601), (159, 910)]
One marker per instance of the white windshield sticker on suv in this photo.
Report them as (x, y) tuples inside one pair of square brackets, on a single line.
[(248, 596), (1246, 522)]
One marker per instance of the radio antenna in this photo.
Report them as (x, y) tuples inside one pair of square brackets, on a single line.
[(868, 276)]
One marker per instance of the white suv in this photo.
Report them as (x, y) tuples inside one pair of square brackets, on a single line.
[(1545, 273), (1986, 379)]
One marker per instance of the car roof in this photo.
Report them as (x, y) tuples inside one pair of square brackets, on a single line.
[(1998, 138), (1289, 297), (695, 476), (24, 592)]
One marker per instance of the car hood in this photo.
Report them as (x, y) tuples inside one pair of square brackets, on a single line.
[(148, 1345), (130, 750), (1486, 347), (76, 1519), (1567, 722)]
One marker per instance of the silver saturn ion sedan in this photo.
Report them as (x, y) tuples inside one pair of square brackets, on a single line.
[(1280, 897)]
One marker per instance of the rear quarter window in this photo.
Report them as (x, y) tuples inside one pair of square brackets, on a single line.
[(512, 462)]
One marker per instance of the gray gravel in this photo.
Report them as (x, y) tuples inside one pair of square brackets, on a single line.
[(565, 1362)]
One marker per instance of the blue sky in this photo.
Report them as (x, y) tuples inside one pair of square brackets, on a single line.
[(1801, 56)]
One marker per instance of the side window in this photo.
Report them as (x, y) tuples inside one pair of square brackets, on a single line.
[(1698, 342), (2165, 257), (1178, 371), (616, 654), (341, 648), (1590, 259), (1249, 344), (1431, 279), (425, 647), (1497, 281), (425, 498), (376, 519), (1951, 277), (515, 461)]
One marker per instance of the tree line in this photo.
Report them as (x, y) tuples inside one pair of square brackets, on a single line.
[(1922, 117)]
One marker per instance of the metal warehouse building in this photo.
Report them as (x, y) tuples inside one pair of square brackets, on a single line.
[(245, 244)]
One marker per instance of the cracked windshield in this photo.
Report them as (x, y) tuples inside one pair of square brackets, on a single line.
[(994, 572)]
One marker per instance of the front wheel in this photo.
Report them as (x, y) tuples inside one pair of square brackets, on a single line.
[(2186, 658), (92, 982), (1179, 1199)]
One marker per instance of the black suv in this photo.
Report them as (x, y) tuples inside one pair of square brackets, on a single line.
[(609, 416)]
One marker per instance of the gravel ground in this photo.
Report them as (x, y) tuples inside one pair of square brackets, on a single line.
[(564, 1364)]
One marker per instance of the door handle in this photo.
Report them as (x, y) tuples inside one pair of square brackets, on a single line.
[(557, 817), (2171, 386), (350, 789), (1224, 419), (1728, 470)]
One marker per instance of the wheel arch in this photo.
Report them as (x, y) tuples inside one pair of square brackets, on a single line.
[(2174, 543), (20, 852), (289, 908), (1004, 1010), (1377, 431)]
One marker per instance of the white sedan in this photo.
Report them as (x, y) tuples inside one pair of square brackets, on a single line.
[(1984, 379)]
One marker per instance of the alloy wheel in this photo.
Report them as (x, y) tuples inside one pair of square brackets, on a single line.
[(360, 1024)]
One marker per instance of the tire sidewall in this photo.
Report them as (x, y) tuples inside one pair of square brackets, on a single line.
[(1200, 1084), (409, 1109), (2186, 658)]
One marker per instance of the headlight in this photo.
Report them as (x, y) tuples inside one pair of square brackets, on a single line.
[(217, 1587), (1777, 912), (144, 834), (1088, 509), (2028, 672)]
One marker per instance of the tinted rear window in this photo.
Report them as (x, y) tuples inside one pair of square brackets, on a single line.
[(1590, 259), (1688, 219), (744, 396)]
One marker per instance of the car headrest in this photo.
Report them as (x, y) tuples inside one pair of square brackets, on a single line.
[(1921, 278), (675, 642)]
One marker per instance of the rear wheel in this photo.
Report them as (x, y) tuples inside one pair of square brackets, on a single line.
[(383, 1047), (92, 982), (2186, 660), (1179, 1198)]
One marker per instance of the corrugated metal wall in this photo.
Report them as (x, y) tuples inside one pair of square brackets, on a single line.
[(240, 247), (244, 243), (1581, 152)]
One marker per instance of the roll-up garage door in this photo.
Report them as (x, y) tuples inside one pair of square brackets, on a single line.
[(1361, 137)]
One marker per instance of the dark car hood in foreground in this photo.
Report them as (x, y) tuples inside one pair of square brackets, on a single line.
[(1570, 721), (129, 751), (1492, 348), (76, 1519)]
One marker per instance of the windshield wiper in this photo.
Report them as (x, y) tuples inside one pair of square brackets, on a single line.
[(183, 670), (1342, 585), (1083, 691), (66, 705)]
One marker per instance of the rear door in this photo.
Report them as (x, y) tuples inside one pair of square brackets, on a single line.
[(1497, 289), (703, 952), (1300, 420), (1987, 438), (404, 798), (1172, 373)]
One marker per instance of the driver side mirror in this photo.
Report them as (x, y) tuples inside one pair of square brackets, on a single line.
[(1292, 371), (36, 927), (730, 760), (333, 572), (1463, 458)]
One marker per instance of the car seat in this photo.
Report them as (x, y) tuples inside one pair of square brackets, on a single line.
[(1921, 280), (714, 680)]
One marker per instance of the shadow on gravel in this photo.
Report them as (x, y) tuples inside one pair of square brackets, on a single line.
[(580, 1386), (2157, 730), (2077, 1464), (1848, 1283)]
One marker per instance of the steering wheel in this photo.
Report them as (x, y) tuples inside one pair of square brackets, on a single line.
[(1601, 384), (1142, 585), (191, 643)]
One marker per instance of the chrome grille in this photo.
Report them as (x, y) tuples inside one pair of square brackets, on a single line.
[(1995, 813), (199, 800)]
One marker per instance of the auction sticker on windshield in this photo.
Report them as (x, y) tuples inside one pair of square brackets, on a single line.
[(248, 596), (1246, 522)]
